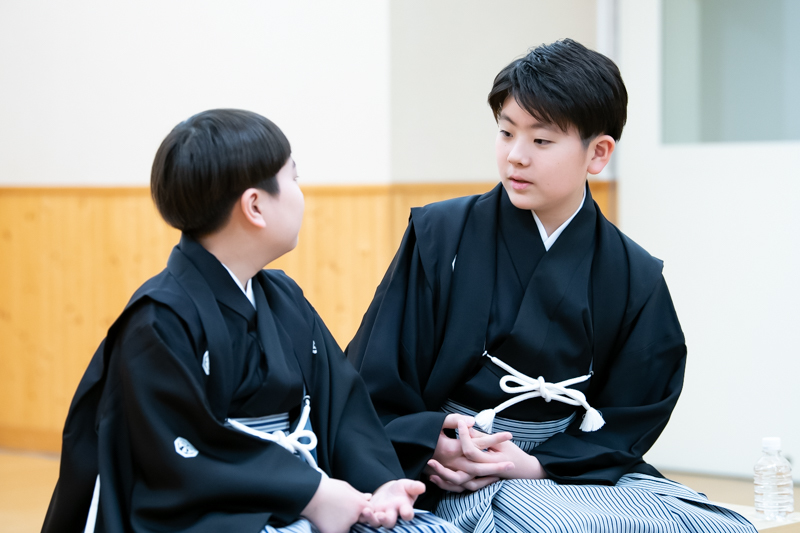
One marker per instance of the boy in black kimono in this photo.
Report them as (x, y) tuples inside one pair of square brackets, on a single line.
[(523, 312), (219, 401)]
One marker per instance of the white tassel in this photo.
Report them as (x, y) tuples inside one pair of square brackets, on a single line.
[(485, 420), (592, 420)]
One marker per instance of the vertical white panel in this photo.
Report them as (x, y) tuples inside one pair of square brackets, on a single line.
[(723, 217), (606, 22)]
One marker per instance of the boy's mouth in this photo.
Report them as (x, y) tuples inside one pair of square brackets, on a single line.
[(518, 183)]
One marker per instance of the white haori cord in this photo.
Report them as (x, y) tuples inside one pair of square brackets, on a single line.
[(527, 387), (290, 441)]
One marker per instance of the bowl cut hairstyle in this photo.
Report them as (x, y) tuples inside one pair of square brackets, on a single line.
[(207, 162), (566, 84)]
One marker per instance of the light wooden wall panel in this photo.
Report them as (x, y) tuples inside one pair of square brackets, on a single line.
[(344, 248), (71, 257), (70, 260)]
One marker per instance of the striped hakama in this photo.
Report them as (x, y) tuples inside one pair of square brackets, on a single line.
[(637, 503), (266, 426), (423, 522)]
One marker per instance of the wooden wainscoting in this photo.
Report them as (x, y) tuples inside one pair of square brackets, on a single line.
[(69, 261), (71, 257)]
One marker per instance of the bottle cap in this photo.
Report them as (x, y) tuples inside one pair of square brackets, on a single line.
[(771, 443)]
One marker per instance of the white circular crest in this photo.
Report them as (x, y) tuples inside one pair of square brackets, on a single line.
[(184, 448)]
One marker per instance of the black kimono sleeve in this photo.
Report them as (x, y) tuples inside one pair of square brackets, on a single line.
[(353, 445), (401, 331), (636, 391), (222, 480)]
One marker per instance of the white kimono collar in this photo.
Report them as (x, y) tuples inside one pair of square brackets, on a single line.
[(247, 289), (549, 240)]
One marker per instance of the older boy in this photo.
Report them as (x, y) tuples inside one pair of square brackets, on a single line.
[(525, 312), (219, 401)]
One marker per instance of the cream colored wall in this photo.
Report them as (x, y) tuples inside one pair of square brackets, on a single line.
[(444, 57), (90, 88), (724, 218), (368, 91)]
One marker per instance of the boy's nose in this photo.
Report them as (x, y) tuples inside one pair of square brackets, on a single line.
[(517, 156)]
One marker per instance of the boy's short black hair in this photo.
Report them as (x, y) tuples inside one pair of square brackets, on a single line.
[(566, 84), (207, 161)]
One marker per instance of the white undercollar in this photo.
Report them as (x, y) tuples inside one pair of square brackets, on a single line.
[(549, 240), (246, 289)]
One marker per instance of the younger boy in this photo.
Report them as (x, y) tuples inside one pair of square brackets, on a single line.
[(219, 401), (525, 312)]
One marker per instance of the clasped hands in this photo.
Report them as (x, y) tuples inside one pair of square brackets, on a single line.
[(476, 460), (471, 462), (336, 505)]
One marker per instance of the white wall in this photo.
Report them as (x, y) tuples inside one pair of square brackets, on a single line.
[(724, 218), (445, 55), (89, 88)]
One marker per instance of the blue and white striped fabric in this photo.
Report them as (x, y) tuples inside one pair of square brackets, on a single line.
[(423, 522), (271, 424), (526, 435), (267, 424), (637, 503)]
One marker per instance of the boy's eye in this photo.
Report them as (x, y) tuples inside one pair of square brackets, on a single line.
[(504, 133), (541, 141)]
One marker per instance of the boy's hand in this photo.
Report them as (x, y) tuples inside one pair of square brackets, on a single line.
[(459, 465), (526, 466), (335, 506), (392, 500)]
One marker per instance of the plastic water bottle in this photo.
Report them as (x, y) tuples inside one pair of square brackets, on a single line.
[(774, 489)]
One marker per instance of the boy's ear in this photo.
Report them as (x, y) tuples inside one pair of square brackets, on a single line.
[(251, 205), (600, 150)]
